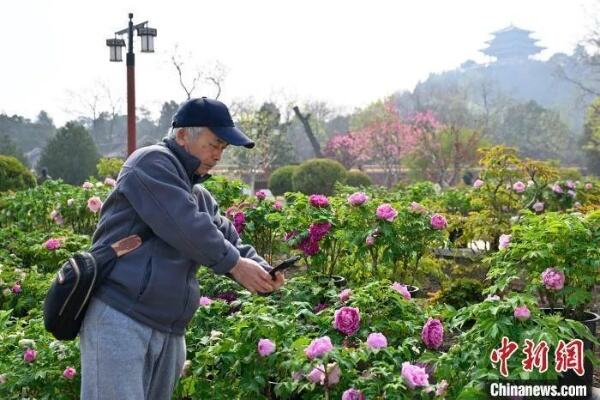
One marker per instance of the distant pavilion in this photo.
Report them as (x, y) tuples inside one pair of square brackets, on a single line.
[(511, 45)]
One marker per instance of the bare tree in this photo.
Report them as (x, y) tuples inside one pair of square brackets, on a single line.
[(308, 130), (214, 74)]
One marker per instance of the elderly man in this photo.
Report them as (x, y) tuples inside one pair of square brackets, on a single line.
[(132, 337)]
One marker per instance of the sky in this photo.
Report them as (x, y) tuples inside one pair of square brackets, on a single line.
[(347, 53)]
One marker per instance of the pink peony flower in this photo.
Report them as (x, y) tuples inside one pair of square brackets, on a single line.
[(538, 206), (319, 307), (370, 240), (317, 375), (386, 212), (110, 182), (70, 202), (277, 205), (570, 185), (519, 187), (52, 244), (522, 313), (69, 373), (16, 288), (318, 347), (353, 394), (318, 200), (347, 320), (333, 374), (504, 241), (376, 340), (345, 295), (494, 297), (417, 208), (265, 347), (433, 333), (414, 376), (402, 289), (588, 186), (261, 195), (30, 355), (571, 193), (553, 279), (204, 301), (87, 185), (438, 221), (478, 183), (94, 204), (296, 376), (318, 230), (3, 379), (557, 189), (357, 199)]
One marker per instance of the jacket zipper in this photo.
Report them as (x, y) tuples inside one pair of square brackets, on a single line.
[(187, 298)]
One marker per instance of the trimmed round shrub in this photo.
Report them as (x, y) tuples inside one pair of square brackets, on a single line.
[(318, 175), (14, 175), (358, 179), (280, 180), (109, 167)]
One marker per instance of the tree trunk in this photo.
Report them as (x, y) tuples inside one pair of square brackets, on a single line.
[(311, 136)]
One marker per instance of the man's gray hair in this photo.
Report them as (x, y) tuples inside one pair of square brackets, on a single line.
[(193, 132)]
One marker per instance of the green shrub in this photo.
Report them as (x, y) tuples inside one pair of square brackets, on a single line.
[(14, 175), (280, 180), (226, 191), (109, 167), (462, 292), (318, 175), (358, 179)]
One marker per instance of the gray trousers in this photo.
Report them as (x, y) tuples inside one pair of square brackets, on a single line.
[(125, 359)]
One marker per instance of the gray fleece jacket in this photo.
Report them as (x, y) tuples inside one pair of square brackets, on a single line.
[(156, 284)]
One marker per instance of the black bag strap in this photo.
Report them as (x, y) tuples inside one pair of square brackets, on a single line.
[(107, 253)]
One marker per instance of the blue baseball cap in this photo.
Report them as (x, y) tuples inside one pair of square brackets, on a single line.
[(212, 114)]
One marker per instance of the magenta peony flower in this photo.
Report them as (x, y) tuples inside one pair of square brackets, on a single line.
[(318, 230), (87, 185), (110, 182), (309, 246), (239, 221), (345, 295), (504, 241), (557, 189), (318, 347), (347, 320), (588, 186), (570, 185), (402, 289), (522, 313), (519, 187), (478, 183), (417, 208), (318, 200), (414, 376), (16, 288), (204, 301), (277, 205), (538, 206), (438, 221), (94, 204), (370, 240), (265, 347), (386, 212), (30, 355), (261, 195), (571, 193), (433, 333), (376, 340), (69, 373), (353, 394), (553, 279), (357, 199), (52, 244)]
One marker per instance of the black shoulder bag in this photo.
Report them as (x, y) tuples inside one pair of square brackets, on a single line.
[(77, 279)]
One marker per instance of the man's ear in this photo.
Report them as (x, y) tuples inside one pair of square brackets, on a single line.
[(181, 136)]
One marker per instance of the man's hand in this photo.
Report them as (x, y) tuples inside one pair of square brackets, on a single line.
[(253, 277)]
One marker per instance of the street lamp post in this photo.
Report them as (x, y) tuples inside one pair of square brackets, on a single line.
[(147, 35)]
